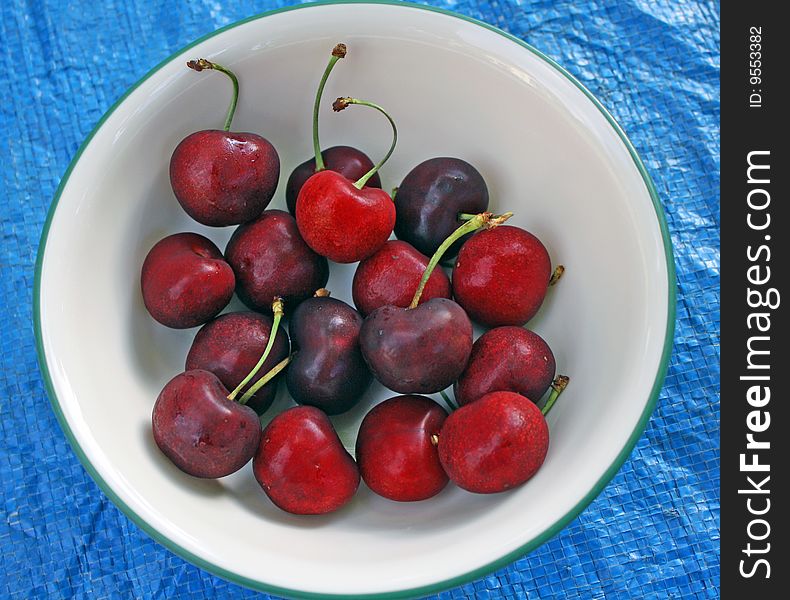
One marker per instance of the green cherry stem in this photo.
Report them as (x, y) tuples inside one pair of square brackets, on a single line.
[(450, 404), (557, 274), (266, 378), (201, 64), (480, 221), (342, 103), (338, 52), (277, 309), (557, 387)]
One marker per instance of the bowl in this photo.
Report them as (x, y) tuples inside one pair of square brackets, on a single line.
[(457, 87)]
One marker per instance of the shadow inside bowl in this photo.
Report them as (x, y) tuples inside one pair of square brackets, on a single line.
[(202, 487)]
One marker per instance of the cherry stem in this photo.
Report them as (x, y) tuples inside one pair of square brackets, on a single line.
[(201, 64), (450, 404), (266, 378), (277, 309), (342, 103), (338, 52), (465, 216), (557, 274), (485, 219), (557, 387)]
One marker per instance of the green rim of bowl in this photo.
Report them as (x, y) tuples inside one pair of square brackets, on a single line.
[(441, 585)]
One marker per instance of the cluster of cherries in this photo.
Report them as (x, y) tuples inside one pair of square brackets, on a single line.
[(411, 329)]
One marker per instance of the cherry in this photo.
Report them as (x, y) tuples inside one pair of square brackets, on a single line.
[(511, 359), (271, 259), (223, 178), (200, 430), (346, 160), (328, 370), (497, 442), (231, 345), (185, 280), (396, 449), (301, 464), (341, 219), (430, 199), (391, 275), (349, 162), (508, 264), (423, 348)]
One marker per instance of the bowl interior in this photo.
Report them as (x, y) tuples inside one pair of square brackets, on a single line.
[(455, 89)]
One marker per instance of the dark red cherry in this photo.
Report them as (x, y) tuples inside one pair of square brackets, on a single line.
[(501, 276), (220, 177), (271, 259), (430, 199), (231, 345), (349, 162), (494, 444), (202, 432), (396, 449), (418, 350), (185, 280), (511, 359), (327, 370), (301, 464), (391, 275)]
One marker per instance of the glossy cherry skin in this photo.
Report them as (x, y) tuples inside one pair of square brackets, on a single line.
[(341, 222), (494, 444), (271, 259), (420, 350), (202, 432), (328, 370), (430, 198), (395, 454), (222, 178), (511, 359), (349, 162), (391, 276), (302, 465), (501, 276), (185, 280), (231, 345)]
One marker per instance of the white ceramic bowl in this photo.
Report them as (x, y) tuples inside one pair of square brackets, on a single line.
[(456, 87)]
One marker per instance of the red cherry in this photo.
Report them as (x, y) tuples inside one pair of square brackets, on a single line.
[(419, 350), (231, 345), (222, 178), (302, 465), (200, 430), (391, 275), (494, 444), (271, 259), (511, 359), (185, 280), (396, 449), (501, 276), (340, 221), (349, 162)]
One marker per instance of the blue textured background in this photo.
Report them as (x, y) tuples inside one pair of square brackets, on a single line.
[(654, 531)]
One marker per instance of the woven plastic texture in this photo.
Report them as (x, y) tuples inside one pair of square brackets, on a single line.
[(652, 533)]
